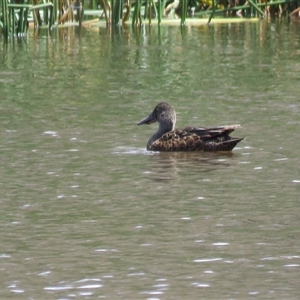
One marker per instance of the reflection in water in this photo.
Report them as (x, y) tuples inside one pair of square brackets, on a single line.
[(172, 165)]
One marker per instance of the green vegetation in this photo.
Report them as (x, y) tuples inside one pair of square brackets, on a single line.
[(16, 14)]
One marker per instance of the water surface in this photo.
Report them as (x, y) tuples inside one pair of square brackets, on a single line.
[(88, 213)]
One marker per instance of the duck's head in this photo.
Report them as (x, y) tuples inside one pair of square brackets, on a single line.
[(164, 113)]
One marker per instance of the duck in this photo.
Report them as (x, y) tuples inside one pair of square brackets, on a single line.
[(167, 138)]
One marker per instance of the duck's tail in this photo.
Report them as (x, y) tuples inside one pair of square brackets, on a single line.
[(224, 145)]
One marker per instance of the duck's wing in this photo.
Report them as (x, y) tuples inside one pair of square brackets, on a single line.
[(211, 132), (197, 139)]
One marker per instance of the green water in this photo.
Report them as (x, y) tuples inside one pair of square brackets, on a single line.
[(88, 213)]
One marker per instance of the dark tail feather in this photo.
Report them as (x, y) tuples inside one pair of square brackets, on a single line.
[(227, 145)]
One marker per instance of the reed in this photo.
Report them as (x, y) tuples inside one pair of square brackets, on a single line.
[(159, 11), (215, 4), (183, 11), (6, 20), (136, 18)]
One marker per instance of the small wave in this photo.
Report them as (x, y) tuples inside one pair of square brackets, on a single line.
[(131, 150)]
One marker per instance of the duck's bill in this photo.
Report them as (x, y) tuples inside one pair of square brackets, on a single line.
[(148, 120)]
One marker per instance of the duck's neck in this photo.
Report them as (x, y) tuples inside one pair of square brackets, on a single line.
[(162, 129)]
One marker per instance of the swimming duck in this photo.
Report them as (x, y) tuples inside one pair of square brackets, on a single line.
[(167, 138)]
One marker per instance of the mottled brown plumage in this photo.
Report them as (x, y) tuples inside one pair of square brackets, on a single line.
[(167, 138)]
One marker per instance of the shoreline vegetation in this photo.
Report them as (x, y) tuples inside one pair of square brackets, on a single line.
[(17, 17)]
